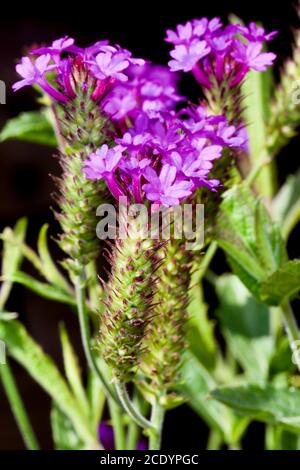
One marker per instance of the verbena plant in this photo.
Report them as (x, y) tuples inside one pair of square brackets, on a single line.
[(124, 133)]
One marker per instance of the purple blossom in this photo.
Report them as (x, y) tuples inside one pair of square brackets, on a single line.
[(72, 64), (217, 54), (57, 47), (33, 72), (164, 189), (257, 33), (107, 438), (250, 55), (102, 165), (150, 88), (186, 56)]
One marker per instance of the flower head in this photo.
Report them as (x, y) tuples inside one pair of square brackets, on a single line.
[(150, 88), (165, 159), (100, 66), (217, 53)]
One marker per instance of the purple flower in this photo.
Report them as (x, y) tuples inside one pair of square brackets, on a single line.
[(164, 189), (102, 164), (150, 88), (57, 47), (164, 159), (74, 66), (217, 54), (186, 57), (257, 33), (182, 35), (112, 62), (33, 72), (251, 56), (107, 438)]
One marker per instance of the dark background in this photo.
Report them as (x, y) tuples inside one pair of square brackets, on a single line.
[(25, 187)]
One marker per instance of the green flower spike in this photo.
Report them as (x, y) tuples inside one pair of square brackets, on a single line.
[(84, 129), (129, 304)]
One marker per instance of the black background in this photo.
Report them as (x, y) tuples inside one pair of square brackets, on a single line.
[(25, 187)]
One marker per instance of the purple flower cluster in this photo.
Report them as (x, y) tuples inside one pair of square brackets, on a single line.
[(166, 158), (150, 89), (105, 63), (218, 54)]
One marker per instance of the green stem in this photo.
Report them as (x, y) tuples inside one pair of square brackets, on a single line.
[(129, 407), (118, 425), (157, 418), (86, 336), (214, 441), (291, 221), (262, 161), (205, 262), (292, 331), (133, 429), (18, 407)]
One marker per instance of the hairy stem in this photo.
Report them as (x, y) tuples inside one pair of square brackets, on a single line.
[(130, 408)]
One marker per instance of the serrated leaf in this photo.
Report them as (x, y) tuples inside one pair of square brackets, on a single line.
[(250, 239), (284, 284), (73, 374), (196, 385), (63, 433), (32, 126), (246, 325), (41, 288), (50, 270), (43, 370), (267, 404)]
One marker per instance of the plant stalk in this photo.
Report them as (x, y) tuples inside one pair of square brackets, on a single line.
[(18, 407), (130, 408), (86, 336), (157, 418)]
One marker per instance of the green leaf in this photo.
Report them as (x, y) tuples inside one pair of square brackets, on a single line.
[(267, 404), (64, 435), (196, 386), (246, 325), (282, 285), (41, 288), (43, 370), (250, 239), (72, 371), (11, 258), (32, 126), (50, 270)]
